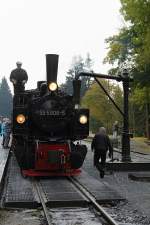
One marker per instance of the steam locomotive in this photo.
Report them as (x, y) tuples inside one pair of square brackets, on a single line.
[(48, 125)]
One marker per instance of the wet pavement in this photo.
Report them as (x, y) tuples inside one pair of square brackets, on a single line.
[(137, 193), (135, 210)]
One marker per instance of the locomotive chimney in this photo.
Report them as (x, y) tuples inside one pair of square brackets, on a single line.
[(51, 67), (76, 91)]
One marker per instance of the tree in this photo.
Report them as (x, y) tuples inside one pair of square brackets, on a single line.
[(130, 48), (5, 99), (141, 99), (78, 65), (102, 111)]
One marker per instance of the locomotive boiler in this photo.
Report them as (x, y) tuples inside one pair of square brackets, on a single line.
[(48, 125)]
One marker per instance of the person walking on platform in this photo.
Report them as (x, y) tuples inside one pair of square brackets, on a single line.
[(101, 144), (6, 133)]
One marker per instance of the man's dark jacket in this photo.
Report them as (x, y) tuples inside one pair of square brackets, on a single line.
[(101, 143), (19, 75)]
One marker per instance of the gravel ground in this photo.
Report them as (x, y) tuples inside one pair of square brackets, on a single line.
[(73, 216), (20, 217)]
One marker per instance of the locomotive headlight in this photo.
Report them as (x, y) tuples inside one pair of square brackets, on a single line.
[(52, 86), (83, 119), (20, 118)]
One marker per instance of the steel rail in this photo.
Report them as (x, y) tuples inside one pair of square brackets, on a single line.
[(43, 203), (92, 199)]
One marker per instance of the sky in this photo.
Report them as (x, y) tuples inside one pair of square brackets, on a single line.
[(32, 28)]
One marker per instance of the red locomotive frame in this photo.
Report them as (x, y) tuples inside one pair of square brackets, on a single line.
[(52, 160)]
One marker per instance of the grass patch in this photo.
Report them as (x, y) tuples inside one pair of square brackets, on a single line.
[(142, 143)]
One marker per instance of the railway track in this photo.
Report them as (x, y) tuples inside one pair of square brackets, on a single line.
[(94, 203), (42, 201), (50, 191), (102, 217)]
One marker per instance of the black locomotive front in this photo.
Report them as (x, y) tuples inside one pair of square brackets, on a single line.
[(46, 122)]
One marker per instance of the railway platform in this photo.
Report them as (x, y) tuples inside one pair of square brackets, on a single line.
[(140, 158), (58, 191), (4, 154), (19, 192), (134, 185), (139, 161)]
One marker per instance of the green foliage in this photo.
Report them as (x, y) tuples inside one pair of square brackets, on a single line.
[(5, 99), (95, 124), (131, 45), (120, 47), (102, 111), (131, 48), (137, 120), (141, 96)]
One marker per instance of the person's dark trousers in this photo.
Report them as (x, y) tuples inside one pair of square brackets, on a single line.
[(6, 140), (3, 141), (99, 155)]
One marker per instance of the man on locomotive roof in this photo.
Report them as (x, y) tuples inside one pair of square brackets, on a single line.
[(18, 77)]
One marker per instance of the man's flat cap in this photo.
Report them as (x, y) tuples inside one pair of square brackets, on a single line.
[(19, 63)]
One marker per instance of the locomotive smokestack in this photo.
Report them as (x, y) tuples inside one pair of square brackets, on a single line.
[(51, 67), (76, 91)]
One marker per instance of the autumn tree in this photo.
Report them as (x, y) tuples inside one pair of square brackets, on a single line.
[(102, 111)]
